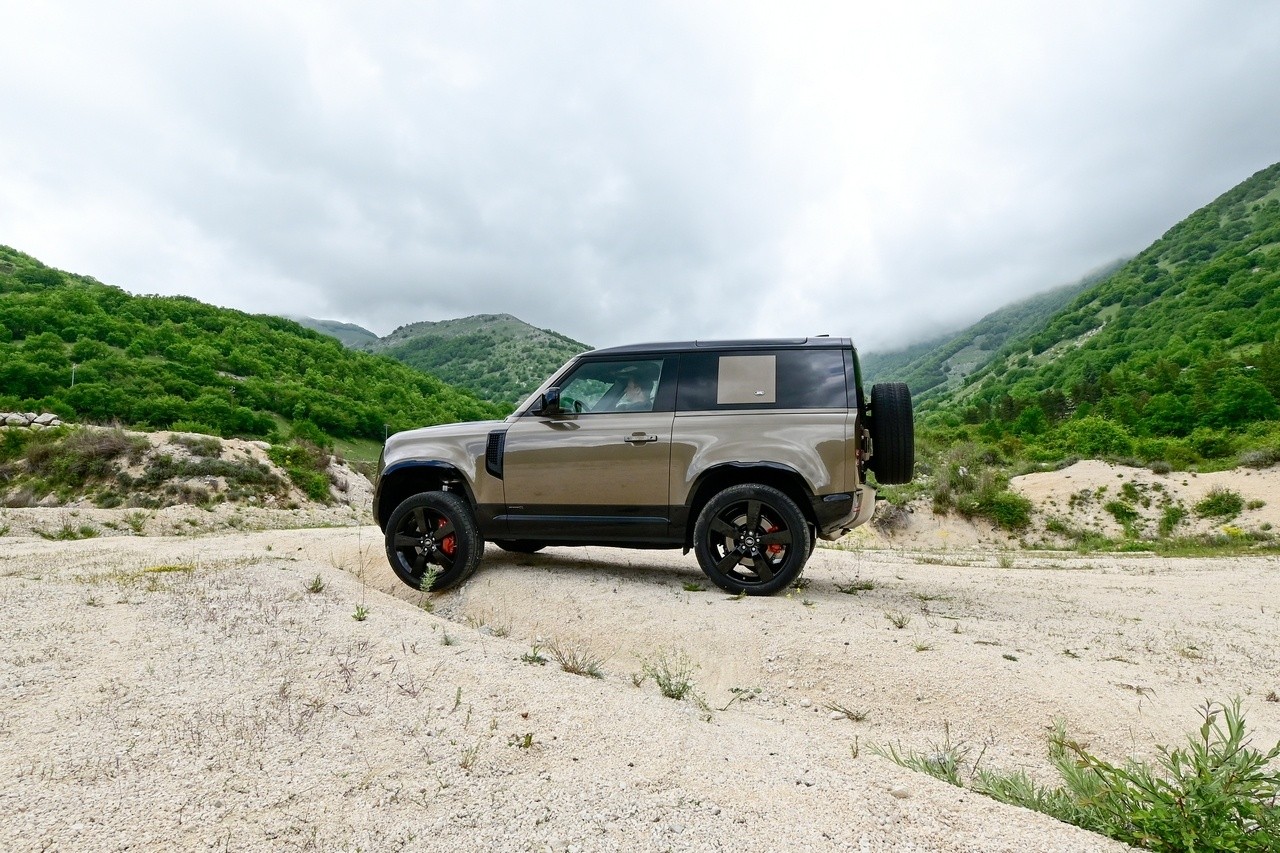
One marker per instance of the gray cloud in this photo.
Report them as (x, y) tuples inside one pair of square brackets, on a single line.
[(624, 173)]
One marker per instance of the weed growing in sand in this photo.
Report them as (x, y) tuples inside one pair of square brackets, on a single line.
[(857, 715), (361, 614), (856, 587), (1216, 793), (577, 662), (468, 757), (446, 639), (534, 655), (4, 531), (739, 694), (693, 586), (315, 585), (68, 533), (673, 674), (524, 741), (924, 647), (897, 618), (944, 760)]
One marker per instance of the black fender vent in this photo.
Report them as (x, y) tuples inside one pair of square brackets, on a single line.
[(493, 453)]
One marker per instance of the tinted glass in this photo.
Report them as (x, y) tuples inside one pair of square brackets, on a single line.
[(802, 379)]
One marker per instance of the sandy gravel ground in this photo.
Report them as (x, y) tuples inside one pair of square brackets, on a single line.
[(187, 692)]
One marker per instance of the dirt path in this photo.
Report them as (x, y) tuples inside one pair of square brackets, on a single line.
[(171, 692)]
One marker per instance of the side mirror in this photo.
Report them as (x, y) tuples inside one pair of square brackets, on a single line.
[(550, 402)]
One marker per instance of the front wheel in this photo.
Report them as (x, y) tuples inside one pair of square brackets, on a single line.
[(433, 541), (751, 539)]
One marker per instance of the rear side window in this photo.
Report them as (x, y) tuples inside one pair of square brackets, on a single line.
[(784, 379)]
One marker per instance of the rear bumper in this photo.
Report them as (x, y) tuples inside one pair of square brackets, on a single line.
[(838, 514)]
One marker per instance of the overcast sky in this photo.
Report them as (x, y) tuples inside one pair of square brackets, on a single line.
[(623, 172)]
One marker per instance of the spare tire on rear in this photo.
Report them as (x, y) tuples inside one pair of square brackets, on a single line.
[(893, 434)]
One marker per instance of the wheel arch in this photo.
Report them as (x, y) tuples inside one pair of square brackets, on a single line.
[(404, 479), (781, 477)]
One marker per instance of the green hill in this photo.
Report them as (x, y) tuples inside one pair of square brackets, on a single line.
[(942, 364), (1170, 356), (497, 357), (90, 352), (349, 334)]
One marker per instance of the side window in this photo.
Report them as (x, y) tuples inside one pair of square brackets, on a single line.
[(632, 385), (785, 379)]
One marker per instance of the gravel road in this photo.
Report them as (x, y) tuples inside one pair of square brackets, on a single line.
[(169, 692)]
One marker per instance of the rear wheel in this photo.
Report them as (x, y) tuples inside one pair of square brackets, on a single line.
[(893, 436), (432, 541), (751, 538)]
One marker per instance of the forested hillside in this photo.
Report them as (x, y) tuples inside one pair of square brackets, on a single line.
[(942, 364), (91, 352), (349, 334), (1175, 356), (497, 357)]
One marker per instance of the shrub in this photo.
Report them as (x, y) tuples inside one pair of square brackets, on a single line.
[(1006, 509), (1220, 503), (306, 464), (1171, 517), (81, 455), (1211, 443), (206, 446), (1264, 458)]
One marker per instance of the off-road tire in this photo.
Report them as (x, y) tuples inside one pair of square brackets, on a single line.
[(893, 438), (433, 531), (736, 531)]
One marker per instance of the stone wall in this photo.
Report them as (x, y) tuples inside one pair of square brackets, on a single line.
[(29, 420)]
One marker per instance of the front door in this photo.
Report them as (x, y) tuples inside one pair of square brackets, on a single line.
[(601, 467)]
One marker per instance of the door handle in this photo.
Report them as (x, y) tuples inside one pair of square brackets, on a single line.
[(640, 438)]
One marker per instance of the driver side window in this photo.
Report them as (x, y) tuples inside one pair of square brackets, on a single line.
[(612, 386)]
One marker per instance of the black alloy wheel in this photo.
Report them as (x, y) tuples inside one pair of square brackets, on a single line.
[(432, 537), (751, 539)]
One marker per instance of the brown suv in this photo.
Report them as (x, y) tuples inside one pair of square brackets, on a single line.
[(744, 451)]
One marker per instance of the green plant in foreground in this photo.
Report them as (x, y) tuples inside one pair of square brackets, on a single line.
[(897, 618), (673, 675), (534, 655), (315, 585), (577, 662), (856, 715), (1216, 793), (361, 614)]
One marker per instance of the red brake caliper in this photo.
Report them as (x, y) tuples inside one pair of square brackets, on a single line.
[(772, 551), (448, 544)]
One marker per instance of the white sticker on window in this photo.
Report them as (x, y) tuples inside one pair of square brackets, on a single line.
[(747, 379)]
